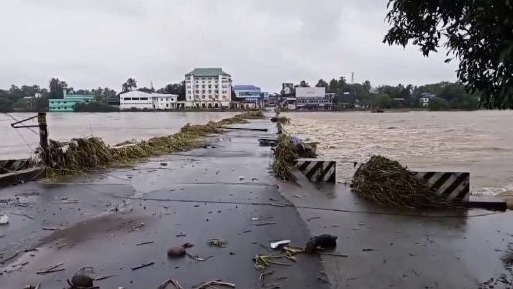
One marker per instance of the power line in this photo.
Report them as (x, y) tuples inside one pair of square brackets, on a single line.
[(18, 120)]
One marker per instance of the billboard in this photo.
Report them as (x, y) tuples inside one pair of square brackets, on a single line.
[(287, 89), (303, 92)]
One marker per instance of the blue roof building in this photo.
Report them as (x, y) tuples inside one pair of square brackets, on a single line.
[(250, 93)]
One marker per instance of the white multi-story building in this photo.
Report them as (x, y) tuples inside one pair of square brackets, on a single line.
[(208, 88), (144, 100)]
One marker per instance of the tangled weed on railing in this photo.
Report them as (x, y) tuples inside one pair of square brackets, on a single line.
[(82, 155), (386, 182), (284, 158)]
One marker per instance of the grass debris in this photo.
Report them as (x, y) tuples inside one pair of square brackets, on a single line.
[(83, 155), (387, 182), (217, 243)]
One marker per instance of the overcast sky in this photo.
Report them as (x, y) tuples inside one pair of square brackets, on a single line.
[(91, 43)]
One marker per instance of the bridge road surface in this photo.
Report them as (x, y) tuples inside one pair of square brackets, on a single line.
[(195, 196)]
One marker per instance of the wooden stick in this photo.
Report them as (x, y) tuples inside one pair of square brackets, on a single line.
[(264, 224), (219, 283), (145, 243), (103, 277), (170, 281), (10, 258), (334, 254), (49, 229), (142, 266), (50, 271), (53, 267)]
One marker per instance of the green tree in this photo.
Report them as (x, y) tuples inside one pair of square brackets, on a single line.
[(56, 88), (367, 85), (129, 85), (94, 106), (175, 88), (437, 103), (383, 101), (303, 84), (5, 104), (322, 83), (333, 86), (478, 33)]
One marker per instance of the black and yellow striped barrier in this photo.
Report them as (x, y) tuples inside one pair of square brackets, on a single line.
[(318, 170)]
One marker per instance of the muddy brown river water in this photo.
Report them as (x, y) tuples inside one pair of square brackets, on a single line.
[(480, 142), (112, 127)]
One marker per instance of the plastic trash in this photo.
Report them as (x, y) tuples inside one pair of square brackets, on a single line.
[(278, 244), (4, 220)]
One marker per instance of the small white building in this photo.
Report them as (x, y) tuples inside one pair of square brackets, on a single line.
[(143, 100), (425, 98)]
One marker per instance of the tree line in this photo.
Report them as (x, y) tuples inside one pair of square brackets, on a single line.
[(33, 98), (447, 95), (442, 96)]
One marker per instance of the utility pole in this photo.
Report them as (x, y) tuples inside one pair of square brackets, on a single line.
[(43, 134)]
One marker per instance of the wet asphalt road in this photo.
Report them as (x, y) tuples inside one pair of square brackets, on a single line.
[(165, 201), (396, 248)]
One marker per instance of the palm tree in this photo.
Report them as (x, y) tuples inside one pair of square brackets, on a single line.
[(130, 84)]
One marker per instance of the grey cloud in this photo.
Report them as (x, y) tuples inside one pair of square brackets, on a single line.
[(92, 43)]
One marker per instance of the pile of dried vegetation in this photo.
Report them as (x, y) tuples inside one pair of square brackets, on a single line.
[(387, 182), (82, 155), (284, 158)]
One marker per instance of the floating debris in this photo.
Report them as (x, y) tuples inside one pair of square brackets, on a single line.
[(321, 242), (4, 220), (172, 282), (198, 258), (143, 266), (264, 261), (217, 243), (178, 251), (81, 281), (145, 243), (278, 244), (212, 284), (52, 269)]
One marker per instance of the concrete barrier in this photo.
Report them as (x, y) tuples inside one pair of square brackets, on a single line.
[(318, 170), (8, 166), (453, 186)]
